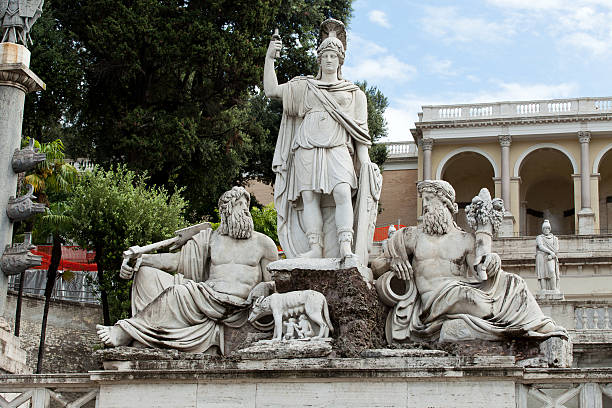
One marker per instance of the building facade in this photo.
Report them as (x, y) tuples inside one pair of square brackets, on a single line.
[(548, 159)]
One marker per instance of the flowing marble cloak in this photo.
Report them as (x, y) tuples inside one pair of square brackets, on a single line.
[(319, 125), (182, 311), (515, 311), (546, 268)]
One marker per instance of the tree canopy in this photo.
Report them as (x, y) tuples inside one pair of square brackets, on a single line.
[(172, 87)]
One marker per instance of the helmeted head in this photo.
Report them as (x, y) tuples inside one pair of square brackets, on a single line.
[(236, 219), (333, 36), (438, 205), (546, 227)]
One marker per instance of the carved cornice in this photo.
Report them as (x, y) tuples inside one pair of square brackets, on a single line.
[(531, 120), (584, 136), (505, 140), (20, 76), (426, 143)]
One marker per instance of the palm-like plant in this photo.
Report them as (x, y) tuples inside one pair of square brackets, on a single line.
[(52, 181)]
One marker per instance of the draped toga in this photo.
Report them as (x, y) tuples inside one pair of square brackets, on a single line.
[(182, 311), (546, 268), (514, 310), (314, 150)]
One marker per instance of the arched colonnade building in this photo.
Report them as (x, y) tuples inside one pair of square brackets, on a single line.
[(548, 159)]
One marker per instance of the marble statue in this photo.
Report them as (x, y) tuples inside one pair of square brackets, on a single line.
[(183, 300), (449, 281), (304, 327), (327, 189), (18, 17), (309, 302), (547, 263), (291, 329)]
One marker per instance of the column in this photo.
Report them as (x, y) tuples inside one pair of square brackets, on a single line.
[(504, 142), (507, 227), (426, 147), (16, 80), (586, 217)]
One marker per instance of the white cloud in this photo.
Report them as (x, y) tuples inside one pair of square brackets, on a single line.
[(384, 67), (443, 67), (379, 17), (448, 24), (366, 60), (512, 91), (399, 123)]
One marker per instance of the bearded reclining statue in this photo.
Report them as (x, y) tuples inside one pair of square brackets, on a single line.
[(455, 287), (183, 300)]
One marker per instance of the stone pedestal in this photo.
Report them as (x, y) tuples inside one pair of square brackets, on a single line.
[(357, 314), (544, 294), (586, 222), (12, 356), (507, 227), (557, 352)]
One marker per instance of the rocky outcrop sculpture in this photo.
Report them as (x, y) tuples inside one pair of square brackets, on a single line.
[(22, 207), (17, 257), (27, 158)]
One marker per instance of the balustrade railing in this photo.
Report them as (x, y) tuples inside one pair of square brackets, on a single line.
[(551, 107), (592, 317), (401, 149)]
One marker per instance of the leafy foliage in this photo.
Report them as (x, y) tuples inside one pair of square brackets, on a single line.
[(113, 210), (166, 86), (264, 221)]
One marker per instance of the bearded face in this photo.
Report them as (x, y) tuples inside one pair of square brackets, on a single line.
[(236, 219), (437, 219)]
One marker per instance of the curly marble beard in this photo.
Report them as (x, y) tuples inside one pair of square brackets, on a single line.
[(237, 225), (437, 220)]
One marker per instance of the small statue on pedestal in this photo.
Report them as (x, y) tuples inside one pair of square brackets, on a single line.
[(547, 262)]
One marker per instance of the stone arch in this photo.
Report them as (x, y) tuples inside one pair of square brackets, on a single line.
[(603, 166), (468, 170), (546, 190), (600, 156), (455, 152), (519, 162)]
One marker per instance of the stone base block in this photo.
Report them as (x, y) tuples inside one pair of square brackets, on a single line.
[(557, 352), (12, 356), (507, 227), (586, 222), (549, 295), (268, 349), (357, 314)]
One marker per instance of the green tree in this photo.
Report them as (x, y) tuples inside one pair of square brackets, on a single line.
[(113, 210), (377, 125), (167, 84)]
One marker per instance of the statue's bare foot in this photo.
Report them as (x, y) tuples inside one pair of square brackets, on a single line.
[(113, 335)]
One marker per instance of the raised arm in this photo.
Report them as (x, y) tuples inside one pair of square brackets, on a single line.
[(271, 87)]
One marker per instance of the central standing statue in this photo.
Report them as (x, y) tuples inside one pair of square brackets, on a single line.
[(323, 206)]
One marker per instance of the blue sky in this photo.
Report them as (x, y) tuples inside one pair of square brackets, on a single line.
[(421, 52)]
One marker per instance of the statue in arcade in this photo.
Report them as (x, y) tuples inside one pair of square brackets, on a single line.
[(451, 275), (547, 263), (183, 300), (327, 189)]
